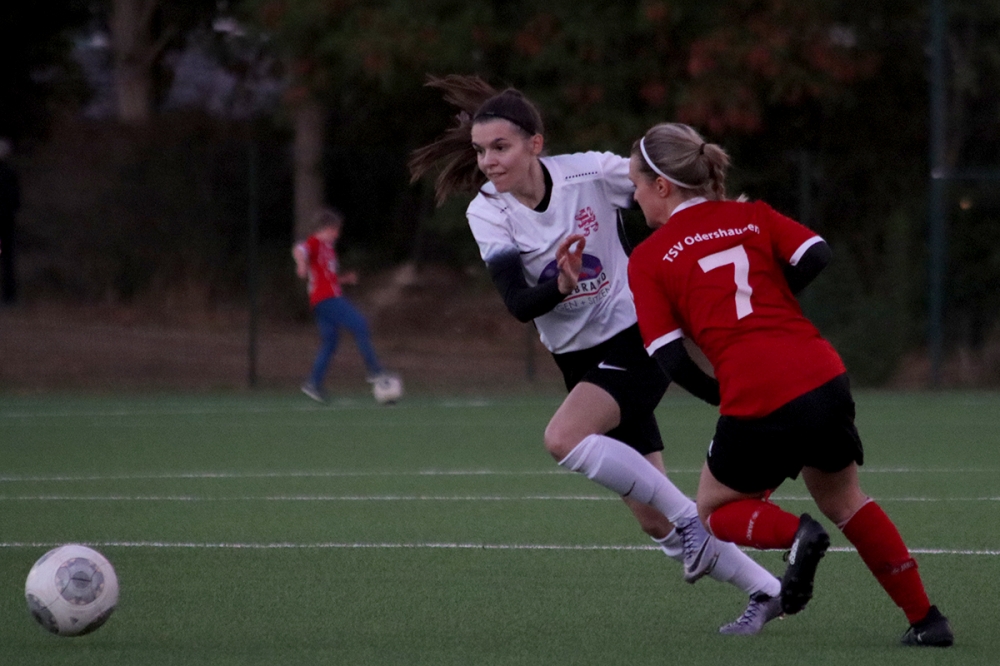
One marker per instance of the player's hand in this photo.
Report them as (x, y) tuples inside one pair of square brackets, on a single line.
[(569, 260), (301, 262), (350, 277)]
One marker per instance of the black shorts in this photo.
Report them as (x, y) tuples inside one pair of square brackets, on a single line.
[(621, 366), (814, 430)]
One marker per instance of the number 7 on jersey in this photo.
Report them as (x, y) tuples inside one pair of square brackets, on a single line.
[(741, 274)]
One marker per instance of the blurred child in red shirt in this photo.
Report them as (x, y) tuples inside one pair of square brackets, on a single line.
[(316, 261)]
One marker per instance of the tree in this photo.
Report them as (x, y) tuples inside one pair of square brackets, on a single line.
[(134, 54), (37, 70), (141, 30), (343, 58)]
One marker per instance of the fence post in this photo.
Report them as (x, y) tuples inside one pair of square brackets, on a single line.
[(252, 261)]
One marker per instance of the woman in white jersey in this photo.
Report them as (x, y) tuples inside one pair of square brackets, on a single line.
[(547, 230)]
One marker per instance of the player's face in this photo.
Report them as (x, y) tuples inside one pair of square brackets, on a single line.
[(328, 234), (504, 154), (647, 194)]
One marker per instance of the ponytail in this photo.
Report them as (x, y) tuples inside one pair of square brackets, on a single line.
[(679, 154), (452, 153)]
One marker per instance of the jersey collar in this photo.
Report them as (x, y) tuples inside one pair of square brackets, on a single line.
[(688, 204)]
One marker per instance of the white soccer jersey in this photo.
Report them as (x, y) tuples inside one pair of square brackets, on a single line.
[(587, 191)]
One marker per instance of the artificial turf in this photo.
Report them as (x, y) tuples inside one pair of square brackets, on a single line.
[(261, 529)]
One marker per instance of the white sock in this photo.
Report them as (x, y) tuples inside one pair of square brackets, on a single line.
[(740, 570), (672, 546), (620, 468), (734, 566)]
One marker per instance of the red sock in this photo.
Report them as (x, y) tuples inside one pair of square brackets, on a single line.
[(754, 523), (883, 551)]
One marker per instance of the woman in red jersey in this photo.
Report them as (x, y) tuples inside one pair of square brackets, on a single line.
[(724, 274), (547, 230)]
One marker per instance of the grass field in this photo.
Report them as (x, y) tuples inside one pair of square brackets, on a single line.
[(266, 530)]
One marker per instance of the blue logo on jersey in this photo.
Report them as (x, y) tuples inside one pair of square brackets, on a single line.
[(590, 270), (593, 287)]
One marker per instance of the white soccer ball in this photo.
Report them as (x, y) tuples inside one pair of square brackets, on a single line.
[(71, 590), (387, 389)]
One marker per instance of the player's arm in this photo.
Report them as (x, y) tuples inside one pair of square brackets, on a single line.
[(524, 302), (678, 365), (301, 256), (804, 268)]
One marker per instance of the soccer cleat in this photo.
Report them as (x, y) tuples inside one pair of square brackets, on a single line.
[(808, 548), (932, 631), (313, 392), (701, 550), (761, 610)]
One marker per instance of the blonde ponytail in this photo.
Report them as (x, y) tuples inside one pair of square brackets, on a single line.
[(678, 153)]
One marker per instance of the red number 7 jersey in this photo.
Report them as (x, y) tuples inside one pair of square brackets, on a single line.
[(714, 273)]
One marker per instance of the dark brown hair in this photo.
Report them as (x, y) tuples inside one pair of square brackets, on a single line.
[(452, 154), (680, 152), (327, 217)]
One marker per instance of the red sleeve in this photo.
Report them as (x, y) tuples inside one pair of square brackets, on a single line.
[(789, 239), (652, 304), (311, 245)]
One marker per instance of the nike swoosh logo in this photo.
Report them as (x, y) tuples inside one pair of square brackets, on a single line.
[(604, 366)]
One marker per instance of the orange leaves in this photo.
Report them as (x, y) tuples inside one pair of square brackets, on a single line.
[(532, 39), (583, 95), (706, 54), (720, 110), (272, 13), (763, 53), (656, 12), (654, 93)]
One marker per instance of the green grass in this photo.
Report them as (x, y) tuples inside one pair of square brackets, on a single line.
[(266, 530)]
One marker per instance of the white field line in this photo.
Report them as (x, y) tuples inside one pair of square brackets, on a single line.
[(343, 404), (420, 546), (332, 474), (302, 498), (329, 474), (405, 498)]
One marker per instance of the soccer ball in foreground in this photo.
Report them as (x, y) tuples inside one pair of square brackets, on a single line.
[(387, 389), (71, 590)]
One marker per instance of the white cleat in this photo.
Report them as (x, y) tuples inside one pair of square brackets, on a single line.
[(761, 610), (701, 550), (313, 392)]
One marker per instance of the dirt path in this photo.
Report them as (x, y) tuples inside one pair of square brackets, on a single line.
[(440, 339)]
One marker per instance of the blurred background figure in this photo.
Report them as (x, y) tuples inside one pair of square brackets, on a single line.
[(316, 261), (10, 201)]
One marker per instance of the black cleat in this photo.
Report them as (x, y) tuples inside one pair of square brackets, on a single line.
[(811, 542), (932, 631)]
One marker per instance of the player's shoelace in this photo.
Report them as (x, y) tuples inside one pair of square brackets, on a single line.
[(690, 540)]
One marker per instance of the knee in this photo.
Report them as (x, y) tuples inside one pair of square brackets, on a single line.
[(560, 439), (839, 508), (704, 513), (707, 505)]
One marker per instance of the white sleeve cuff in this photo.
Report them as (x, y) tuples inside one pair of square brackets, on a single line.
[(794, 261), (664, 340)]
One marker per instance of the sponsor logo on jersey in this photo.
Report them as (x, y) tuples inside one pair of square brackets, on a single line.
[(593, 287), (586, 220)]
